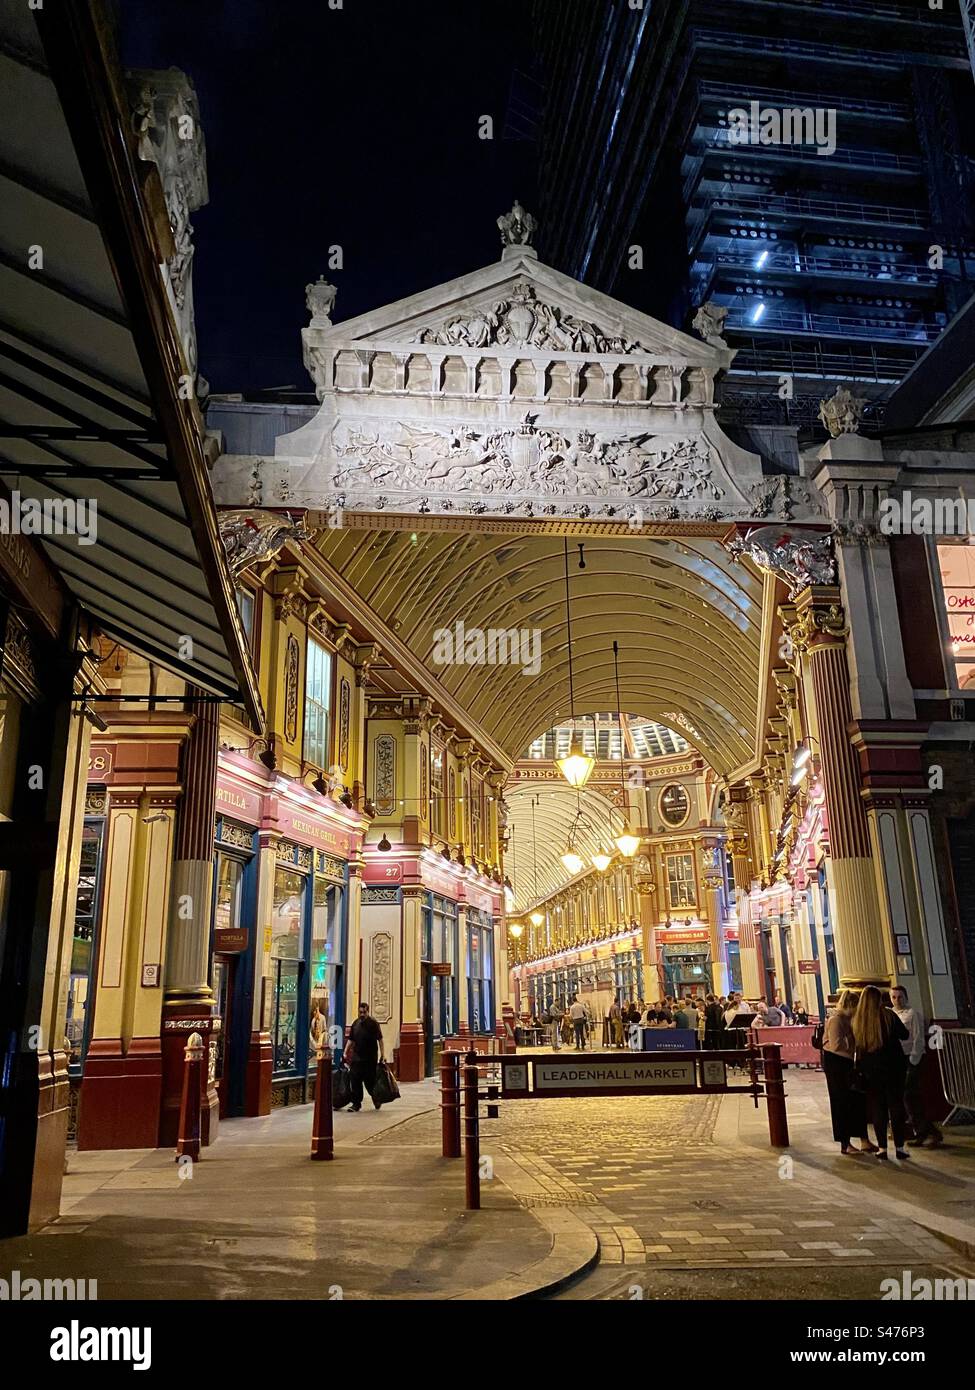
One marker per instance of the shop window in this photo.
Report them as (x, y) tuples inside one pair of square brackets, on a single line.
[(957, 565), (318, 683), (287, 968), (439, 943), (480, 973), (327, 959), (81, 980), (681, 884), (230, 877)]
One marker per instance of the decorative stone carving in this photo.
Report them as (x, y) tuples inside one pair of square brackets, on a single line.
[(524, 320), (517, 227), (532, 460), (380, 976), (250, 535), (799, 558), (166, 121), (842, 412), (371, 896), (345, 717), (292, 661), (385, 793), (709, 323), (319, 300)]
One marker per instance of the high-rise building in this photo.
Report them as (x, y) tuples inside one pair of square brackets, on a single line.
[(670, 177)]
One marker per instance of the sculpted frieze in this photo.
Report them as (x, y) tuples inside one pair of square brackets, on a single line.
[(530, 460), (524, 320)]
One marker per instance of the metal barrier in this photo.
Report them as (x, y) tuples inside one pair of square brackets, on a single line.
[(528, 1077), (956, 1058)]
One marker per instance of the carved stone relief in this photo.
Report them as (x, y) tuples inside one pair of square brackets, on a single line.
[(524, 320), (381, 976), (385, 791), (292, 662)]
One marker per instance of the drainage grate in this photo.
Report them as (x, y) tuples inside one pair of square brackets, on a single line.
[(705, 1204)]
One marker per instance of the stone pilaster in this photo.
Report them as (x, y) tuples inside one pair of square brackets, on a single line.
[(819, 633), (738, 844)]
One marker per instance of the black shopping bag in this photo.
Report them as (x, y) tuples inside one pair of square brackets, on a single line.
[(341, 1087), (384, 1088)]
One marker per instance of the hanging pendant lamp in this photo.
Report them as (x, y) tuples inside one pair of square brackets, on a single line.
[(576, 766), (626, 842)]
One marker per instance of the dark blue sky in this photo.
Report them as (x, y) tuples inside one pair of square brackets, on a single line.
[(355, 126)]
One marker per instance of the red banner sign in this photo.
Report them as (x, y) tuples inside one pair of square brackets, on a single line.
[(374, 871), (308, 829), (237, 803)]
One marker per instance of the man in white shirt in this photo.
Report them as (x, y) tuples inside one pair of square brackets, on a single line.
[(577, 1012), (913, 1021)]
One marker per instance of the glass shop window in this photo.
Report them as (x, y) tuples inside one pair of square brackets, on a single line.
[(325, 982), (957, 565), (230, 876), (318, 694), (287, 966), (681, 886), (80, 981)]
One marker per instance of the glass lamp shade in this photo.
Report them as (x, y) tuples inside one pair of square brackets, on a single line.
[(576, 767), (602, 861), (515, 929), (536, 918), (627, 844), (572, 861)]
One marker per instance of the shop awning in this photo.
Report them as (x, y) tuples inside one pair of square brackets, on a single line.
[(92, 405)]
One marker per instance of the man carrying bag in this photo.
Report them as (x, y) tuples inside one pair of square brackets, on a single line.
[(364, 1052)]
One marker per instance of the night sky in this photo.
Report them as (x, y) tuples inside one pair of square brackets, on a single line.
[(356, 126)]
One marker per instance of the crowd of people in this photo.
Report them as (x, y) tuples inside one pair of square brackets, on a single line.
[(872, 1050), (711, 1017)]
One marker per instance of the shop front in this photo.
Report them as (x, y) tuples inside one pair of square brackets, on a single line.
[(686, 960)]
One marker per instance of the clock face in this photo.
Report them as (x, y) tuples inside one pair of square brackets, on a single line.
[(674, 804)]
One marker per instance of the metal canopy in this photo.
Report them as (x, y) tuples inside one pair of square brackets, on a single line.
[(90, 401)]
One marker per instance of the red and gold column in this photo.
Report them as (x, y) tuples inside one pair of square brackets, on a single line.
[(817, 626)]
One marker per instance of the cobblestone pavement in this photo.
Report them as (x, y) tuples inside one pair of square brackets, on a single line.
[(664, 1194)]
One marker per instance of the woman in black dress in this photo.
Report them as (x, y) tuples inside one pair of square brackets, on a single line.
[(847, 1107), (881, 1067)]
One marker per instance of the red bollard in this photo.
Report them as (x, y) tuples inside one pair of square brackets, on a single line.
[(778, 1124), (472, 1145), (188, 1142), (322, 1145), (450, 1103)]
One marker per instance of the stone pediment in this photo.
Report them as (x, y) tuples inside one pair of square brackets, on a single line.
[(517, 305)]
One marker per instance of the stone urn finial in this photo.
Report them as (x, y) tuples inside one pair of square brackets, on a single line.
[(319, 299), (517, 227), (842, 412)]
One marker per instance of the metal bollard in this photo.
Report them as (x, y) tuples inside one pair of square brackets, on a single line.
[(188, 1141), (322, 1126), (493, 1093), (472, 1146), (450, 1103), (778, 1124)]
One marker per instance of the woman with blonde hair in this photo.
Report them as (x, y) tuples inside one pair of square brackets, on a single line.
[(880, 1066), (847, 1107)]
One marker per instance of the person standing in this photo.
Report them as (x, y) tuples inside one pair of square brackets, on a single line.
[(881, 1066), (577, 1012), (363, 1052), (713, 1023), (913, 1021), (556, 1014), (615, 1024), (847, 1107)]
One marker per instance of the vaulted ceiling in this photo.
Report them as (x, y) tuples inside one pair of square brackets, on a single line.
[(687, 619)]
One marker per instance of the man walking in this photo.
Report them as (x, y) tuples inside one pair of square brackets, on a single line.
[(913, 1021), (556, 1014), (363, 1052), (577, 1012)]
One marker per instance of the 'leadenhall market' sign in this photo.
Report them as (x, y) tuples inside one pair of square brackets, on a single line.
[(598, 1076)]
